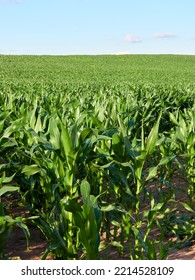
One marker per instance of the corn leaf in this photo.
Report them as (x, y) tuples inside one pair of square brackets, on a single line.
[(31, 169), (150, 143), (6, 189)]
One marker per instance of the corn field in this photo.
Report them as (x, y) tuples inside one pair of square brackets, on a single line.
[(100, 154)]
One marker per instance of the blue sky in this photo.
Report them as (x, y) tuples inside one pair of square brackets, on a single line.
[(66, 27)]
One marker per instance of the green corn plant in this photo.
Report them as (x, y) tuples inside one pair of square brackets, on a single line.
[(55, 227), (184, 138), (138, 154), (56, 170), (87, 219), (7, 223), (56, 158)]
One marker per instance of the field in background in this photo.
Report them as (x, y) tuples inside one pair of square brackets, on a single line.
[(102, 69), (98, 152)]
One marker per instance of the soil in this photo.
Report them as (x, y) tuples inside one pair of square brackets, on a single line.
[(16, 248)]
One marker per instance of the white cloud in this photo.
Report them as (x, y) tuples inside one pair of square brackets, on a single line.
[(122, 53), (164, 35), (133, 39)]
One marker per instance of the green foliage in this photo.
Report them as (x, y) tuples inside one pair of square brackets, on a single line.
[(96, 145), (7, 223)]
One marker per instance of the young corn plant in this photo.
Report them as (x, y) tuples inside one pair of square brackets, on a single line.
[(87, 219), (137, 154), (7, 222), (55, 166), (57, 155), (184, 139)]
